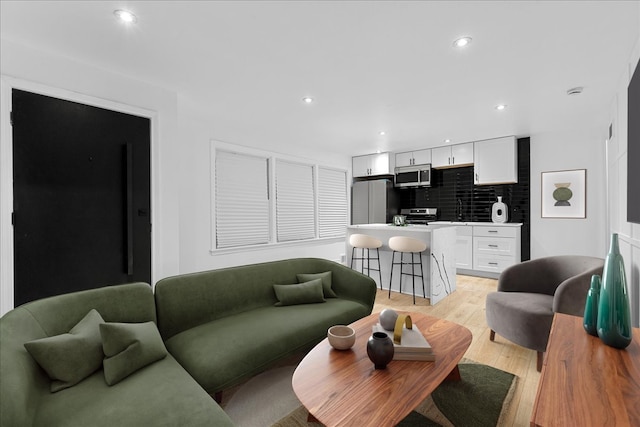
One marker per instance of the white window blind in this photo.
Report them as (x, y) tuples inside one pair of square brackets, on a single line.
[(241, 199), (295, 202), (332, 202)]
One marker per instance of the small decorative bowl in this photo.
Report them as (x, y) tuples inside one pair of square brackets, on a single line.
[(341, 337)]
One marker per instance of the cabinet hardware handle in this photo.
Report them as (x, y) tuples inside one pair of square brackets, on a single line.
[(476, 177), (492, 263), (492, 231), (449, 160), (453, 160), (493, 246)]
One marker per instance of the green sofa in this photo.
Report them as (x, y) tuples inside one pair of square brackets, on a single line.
[(161, 394), (219, 326), (223, 325)]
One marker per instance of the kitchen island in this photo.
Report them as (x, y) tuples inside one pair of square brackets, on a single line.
[(438, 260)]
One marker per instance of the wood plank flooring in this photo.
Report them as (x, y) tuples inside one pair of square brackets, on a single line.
[(466, 306)]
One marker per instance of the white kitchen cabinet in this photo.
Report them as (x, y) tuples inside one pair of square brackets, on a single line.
[(464, 247), (495, 161), (411, 158), (373, 164), (495, 247), (452, 156)]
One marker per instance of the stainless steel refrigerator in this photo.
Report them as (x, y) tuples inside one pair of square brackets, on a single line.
[(373, 202)]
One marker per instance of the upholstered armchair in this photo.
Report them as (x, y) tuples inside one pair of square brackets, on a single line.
[(530, 293)]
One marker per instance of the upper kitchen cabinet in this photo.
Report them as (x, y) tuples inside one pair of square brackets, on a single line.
[(452, 156), (411, 158), (373, 164), (496, 161)]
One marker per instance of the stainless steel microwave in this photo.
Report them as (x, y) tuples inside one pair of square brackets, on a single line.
[(413, 176)]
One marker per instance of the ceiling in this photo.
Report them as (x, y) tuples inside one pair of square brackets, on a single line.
[(369, 65)]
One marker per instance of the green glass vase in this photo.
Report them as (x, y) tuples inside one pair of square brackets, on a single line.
[(590, 320), (614, 311)]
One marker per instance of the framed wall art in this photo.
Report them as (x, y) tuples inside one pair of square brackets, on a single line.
[(564, 194)]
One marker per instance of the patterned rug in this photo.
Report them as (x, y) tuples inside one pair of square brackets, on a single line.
[(478, 400)]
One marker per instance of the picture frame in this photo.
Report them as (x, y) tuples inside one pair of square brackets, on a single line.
[(564, 194)]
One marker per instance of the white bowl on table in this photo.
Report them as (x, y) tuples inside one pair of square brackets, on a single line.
[(341, 337)]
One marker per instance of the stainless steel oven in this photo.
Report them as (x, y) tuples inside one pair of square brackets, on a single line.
[(420, 216)]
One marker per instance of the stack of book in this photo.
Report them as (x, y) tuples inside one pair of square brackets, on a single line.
[(413, 345)]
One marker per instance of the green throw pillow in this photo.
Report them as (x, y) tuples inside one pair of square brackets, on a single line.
[(69, 358), (302, 293), (129, 347), (326, 282)]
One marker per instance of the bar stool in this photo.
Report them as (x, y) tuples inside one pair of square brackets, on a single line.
[(406, 245), (364, 241)]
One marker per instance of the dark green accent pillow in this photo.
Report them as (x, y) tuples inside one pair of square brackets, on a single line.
[(69, 358), (303, 293), (129, 347), (326, 282)]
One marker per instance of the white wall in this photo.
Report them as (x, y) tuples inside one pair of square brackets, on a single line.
[(572, 149), (628, 233), (197, 129)]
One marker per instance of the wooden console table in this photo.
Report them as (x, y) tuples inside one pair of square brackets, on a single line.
[(585, 382)]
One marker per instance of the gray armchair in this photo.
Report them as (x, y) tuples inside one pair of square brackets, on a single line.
[(530, 293)]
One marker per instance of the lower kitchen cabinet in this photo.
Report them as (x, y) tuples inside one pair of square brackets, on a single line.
[(486, 249), (495, 247), (464, 247)]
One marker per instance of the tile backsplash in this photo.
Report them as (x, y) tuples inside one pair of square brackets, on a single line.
[(452, 191)]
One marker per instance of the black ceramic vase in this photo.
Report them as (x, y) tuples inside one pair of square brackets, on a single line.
[(380, 349)]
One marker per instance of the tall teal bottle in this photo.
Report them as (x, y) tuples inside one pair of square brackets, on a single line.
[(590, 319), (614, 311)]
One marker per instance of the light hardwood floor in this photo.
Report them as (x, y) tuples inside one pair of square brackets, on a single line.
[(466, 306)]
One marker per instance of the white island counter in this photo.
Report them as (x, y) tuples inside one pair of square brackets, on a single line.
[(438, 260)]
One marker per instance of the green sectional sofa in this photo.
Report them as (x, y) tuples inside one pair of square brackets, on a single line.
[(219, 327), (161, 394)]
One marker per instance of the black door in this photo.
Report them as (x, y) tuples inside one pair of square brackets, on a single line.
[(81, 197)]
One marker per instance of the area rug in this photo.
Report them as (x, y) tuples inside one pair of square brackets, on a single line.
[(478, 400)]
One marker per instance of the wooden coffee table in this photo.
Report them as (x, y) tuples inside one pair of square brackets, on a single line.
[(341, 388)]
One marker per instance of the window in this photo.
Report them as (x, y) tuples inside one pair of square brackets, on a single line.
[(332, 202), (295, 202), (242, 200), (310, 201)]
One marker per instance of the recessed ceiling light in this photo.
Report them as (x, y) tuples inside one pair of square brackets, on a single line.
[(462, 42), (446, 141), (382, 133), (500, 107), (125, 16), (307, 100)]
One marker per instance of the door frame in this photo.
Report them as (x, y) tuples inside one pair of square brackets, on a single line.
[(7, 84)]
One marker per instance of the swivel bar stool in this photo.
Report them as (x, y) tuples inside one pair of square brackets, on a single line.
[(364, 241), (407, 245)]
